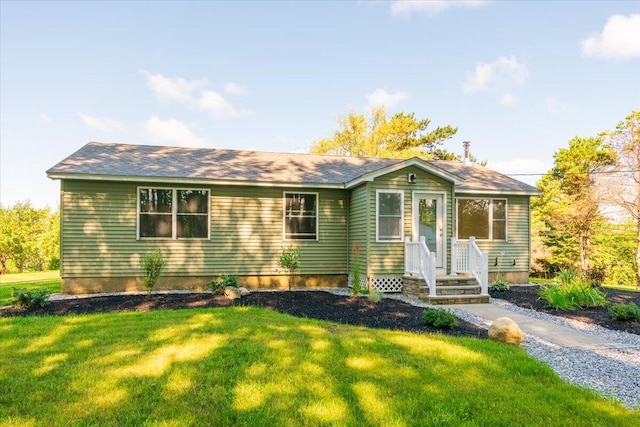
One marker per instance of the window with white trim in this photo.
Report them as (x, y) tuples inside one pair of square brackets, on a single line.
[(389, 215), (172, 213), (485, 219), (300, 216)]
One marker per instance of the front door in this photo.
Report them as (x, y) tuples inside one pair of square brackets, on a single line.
[(428, 221)]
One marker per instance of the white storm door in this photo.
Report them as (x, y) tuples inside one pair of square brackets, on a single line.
[(428, 221)]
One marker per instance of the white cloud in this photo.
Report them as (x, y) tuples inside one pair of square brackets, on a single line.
[(508, 100), (172, 131), (381, 97), (177, 89), (236, 89), (213, 103), (431, 7), (44, 118), (505, 72), (105, 125), (620, 39)]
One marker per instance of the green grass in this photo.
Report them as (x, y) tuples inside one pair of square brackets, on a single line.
[(622, 288), (49, 280), (250, 366)]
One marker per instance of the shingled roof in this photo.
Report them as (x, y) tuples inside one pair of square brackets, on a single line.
[(120, 162)]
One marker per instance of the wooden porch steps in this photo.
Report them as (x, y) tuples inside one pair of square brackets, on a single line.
[(449, 290)]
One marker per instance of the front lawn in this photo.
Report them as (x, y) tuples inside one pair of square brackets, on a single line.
[(251, 366), (33, 280)]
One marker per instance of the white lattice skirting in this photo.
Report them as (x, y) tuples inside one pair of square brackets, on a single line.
[(363, 281), (386, 284)]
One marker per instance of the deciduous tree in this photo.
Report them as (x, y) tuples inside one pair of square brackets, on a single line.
[(401, 136), (622, 185), (29, 237), (569, 205)]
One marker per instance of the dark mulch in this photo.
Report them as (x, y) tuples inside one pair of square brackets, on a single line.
[(527, 297), (387, 314)]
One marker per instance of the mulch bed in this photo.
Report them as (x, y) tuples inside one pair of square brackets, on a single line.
[(387, 314), (527, 297)]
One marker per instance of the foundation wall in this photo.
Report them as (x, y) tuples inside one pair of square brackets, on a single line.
[(92, 285)]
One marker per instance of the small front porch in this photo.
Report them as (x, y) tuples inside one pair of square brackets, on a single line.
[(467, 283)]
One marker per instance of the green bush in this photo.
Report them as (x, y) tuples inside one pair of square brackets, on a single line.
[(153, 265), (439, 318), (625, 312), (23, 298), (499, 286), (572, 295), (217, 286)]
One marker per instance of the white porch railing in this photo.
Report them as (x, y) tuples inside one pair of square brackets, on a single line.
[(419, 260), (467, 258)]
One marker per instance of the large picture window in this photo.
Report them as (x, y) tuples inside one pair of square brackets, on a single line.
[(170, 213), (301, 216), (485, 219), (389, 214)]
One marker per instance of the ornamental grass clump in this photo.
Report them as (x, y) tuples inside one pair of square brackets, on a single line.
[(572, 293)]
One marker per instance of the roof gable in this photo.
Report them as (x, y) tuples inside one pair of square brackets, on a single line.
[(125, 162)]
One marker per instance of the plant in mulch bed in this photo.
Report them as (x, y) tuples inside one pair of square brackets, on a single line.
[(572, 293), (499, 285), (290, 261), (439, 318), (374, 295), (153, 264), (23, 298), (625, 312), (355, 279), (217, 286)]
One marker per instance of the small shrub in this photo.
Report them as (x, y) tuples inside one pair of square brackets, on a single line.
[(290, 261), (217, 286), (153, 265), (499, 286), (23, 298), (625, 312), (374, 295), (439, 318)]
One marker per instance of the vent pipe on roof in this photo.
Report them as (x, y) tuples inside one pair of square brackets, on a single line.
[(466, 161)]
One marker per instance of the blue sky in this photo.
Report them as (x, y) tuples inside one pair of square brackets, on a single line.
[(519, 79)]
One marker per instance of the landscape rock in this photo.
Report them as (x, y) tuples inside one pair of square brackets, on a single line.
[(232, 292), (506, 330), (243, 291)]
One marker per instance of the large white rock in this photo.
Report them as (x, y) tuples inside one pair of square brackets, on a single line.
[(232, 292), (243, 291), (506, 330)]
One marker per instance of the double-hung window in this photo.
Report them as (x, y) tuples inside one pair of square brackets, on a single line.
[(485, 219), (172, 213), (389, 214), (300, 216)]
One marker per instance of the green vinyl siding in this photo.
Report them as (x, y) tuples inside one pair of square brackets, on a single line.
[(99, 233), (517, 246), (359, 225), (387, 258)]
